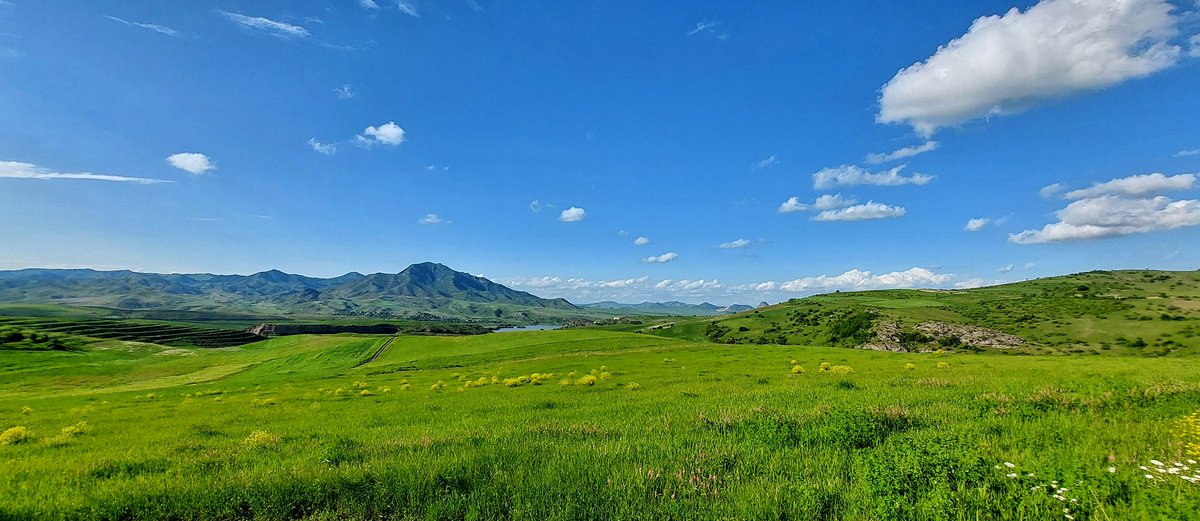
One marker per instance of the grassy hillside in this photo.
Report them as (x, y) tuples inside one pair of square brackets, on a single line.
[(589, 424), (1123, 312)]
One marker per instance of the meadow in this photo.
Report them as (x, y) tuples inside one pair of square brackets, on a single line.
[(591, 424)]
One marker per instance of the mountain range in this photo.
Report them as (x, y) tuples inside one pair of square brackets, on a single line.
[(422, 291)]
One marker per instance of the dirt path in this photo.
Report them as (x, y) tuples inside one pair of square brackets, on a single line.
[(379, 352)]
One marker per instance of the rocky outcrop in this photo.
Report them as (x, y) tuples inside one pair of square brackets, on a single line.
[(971, 335)]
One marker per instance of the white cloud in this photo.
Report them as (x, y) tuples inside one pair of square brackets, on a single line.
[(858, 279), (437, 168), (324, 148), (1194, 46), (765, 286), (345, 91), (368, 4), (194, 163), (902, 153), (272, 27), (18, 170), (1136, 185), (740, 243), (621, 283), (969, 283), (792, 204), (1006, 269), (1110, 216), (702, 27), (763, 163), (1051, 190), (386, 134), (1186, 153), (535, 206), (975, 225), (1007, 63), (661, 259), (848, 175), (641, 241), (572, 215), (824, 202), (861, 212), (407, 7), (431, 218), (161, 29)]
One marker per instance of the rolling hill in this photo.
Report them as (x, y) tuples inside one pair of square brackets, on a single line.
[(1142, 312)]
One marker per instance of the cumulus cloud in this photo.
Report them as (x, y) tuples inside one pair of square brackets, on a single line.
[(902, 153), (824, 202), (731, 245), (1007, 63), (975, 225), (572, 215), (161, 29), (193, 163), (324, 148), (861, 212), (431, 218), (272, 27), (1111, 216), (859, 279), (763, 163), (641, 241), (661, 259), (386, 134), (1136, 185), (849, 175), (18, 170)]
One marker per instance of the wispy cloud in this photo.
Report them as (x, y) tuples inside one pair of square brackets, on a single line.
[(709, 28), (324, 148), (431, 218), (437, 168), (641, 241), (368, 4), (1186, 153), (858, 279), (740, 243), (267, 25), (902, 153), (861, 212), (161, 29), (18, 170), (407, 7), (345, 91), (849, 175), (764, 163), (1136, 185), (824, 202)]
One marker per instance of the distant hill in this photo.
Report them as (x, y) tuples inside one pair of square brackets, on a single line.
[(672, 307), (1154, 313), (425, 291)]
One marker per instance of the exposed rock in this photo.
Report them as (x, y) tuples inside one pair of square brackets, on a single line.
[(971, 335), (885, 336)]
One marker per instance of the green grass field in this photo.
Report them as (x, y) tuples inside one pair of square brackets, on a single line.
[(590, 424)]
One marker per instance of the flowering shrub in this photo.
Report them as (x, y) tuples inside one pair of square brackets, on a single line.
[(360, 385), (797, 369), (15, 435), (1188, 432), (632, 386), (266, 402), (437, 385), (26, 410), (260, 439), (795, 362), (824, 367), (586, 379), (67, 434), (841, 369), (943, 365), (910, 367), (366, 392)]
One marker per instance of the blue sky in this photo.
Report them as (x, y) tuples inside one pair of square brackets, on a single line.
[(536, 142)]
